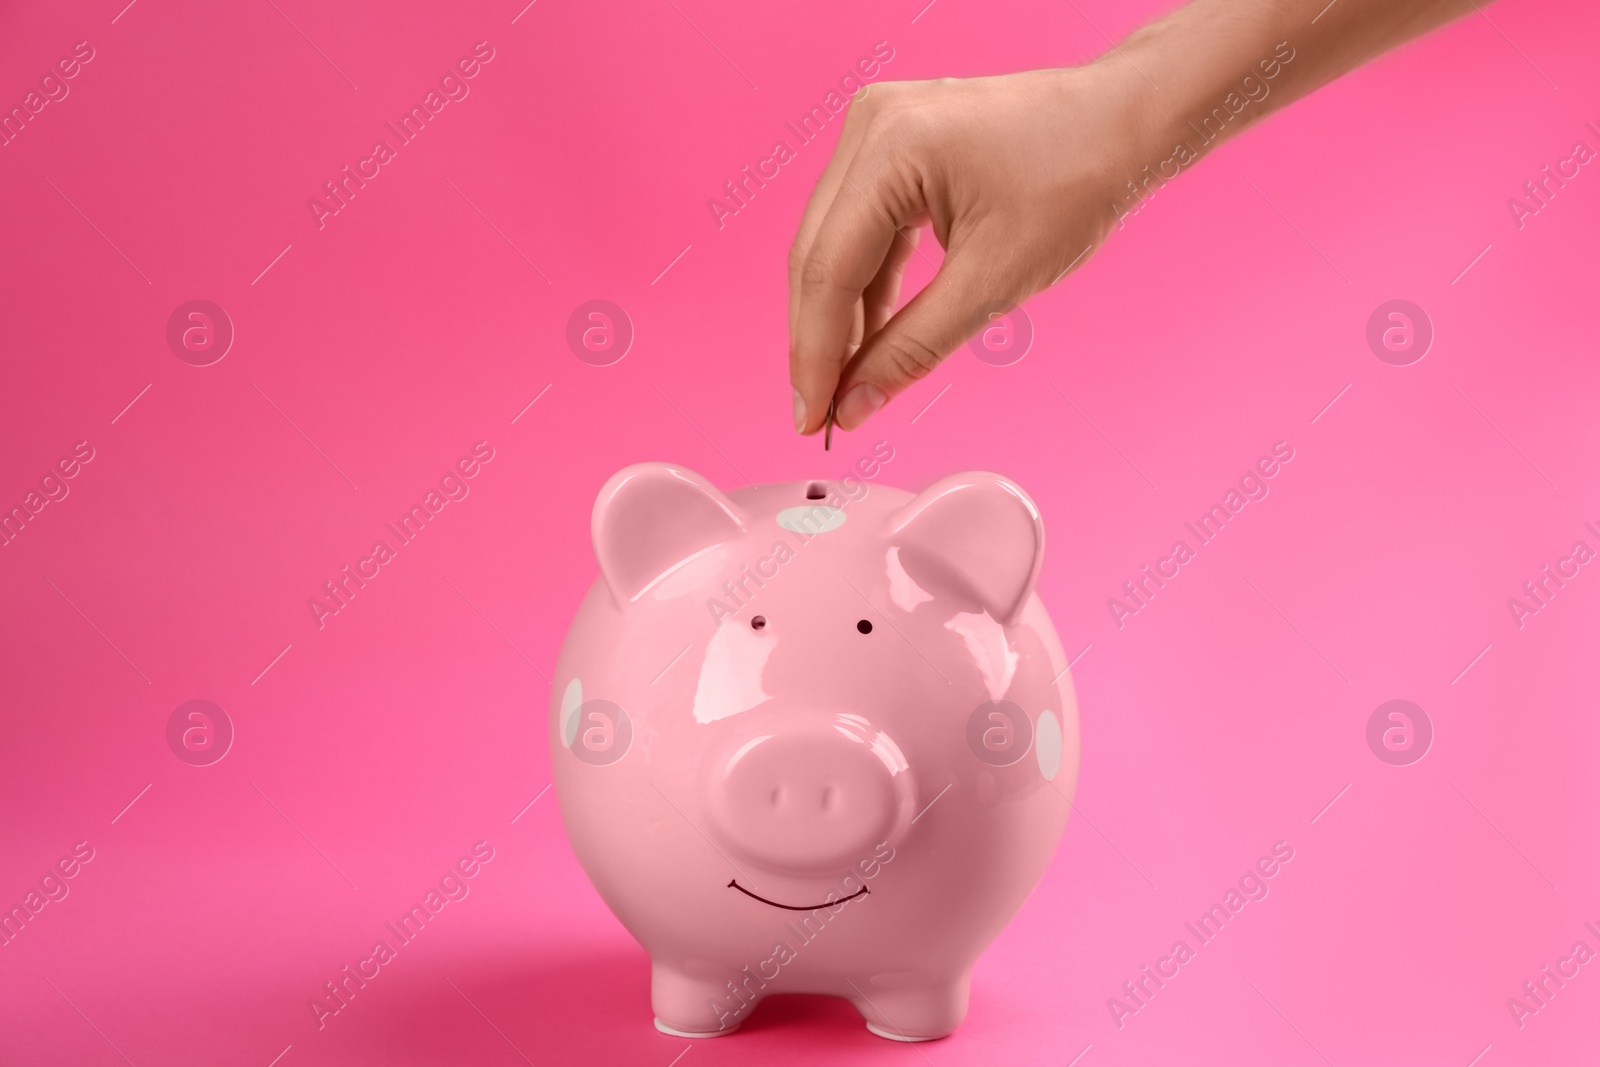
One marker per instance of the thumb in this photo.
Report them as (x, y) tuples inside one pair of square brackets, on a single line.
[(950, 309)]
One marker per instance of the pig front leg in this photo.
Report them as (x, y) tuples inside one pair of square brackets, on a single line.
[(912, 1007), (690, 1006)]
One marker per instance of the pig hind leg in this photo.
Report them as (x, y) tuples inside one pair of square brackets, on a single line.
[(920, 1009)]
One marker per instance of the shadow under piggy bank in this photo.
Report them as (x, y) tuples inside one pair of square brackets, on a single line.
[(573, 1006)]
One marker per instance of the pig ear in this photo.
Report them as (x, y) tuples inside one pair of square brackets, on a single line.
[(978, 534), (651, 517)]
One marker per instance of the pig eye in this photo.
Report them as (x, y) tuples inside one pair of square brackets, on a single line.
[(864, 626), (758, 623)]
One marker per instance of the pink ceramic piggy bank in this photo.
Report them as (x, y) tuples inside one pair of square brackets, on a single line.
[(813, 738)]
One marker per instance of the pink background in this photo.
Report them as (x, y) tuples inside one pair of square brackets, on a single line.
[(375, 751)]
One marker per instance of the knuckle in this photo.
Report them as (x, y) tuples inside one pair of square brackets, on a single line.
[(911, 358), (859, 114), (816, 271), (889, 104), (892, 120), (900, 136), (878, 92)]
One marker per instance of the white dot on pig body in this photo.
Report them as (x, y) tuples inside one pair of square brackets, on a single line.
[(1047, 745), (571, 701), (811, 519)]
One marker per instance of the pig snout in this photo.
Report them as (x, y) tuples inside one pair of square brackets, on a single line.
[(809, 799)]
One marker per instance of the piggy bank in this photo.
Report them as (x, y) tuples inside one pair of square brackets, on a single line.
[(815, 737)]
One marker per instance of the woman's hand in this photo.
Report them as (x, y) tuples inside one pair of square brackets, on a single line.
[(1018, 176), (1022, 176)]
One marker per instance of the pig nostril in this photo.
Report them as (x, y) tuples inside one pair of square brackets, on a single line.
[(864, 627), (758, 623), (816, 491), (807, 795)]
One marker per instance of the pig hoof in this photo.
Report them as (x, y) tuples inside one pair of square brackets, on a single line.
[(894, 1035), (914, 1007), (675, 1032)]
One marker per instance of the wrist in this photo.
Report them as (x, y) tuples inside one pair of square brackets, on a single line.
[(1141, 116), (1129, 129), (1178, 95)]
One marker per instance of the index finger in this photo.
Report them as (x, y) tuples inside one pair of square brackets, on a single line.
[(851, 244), (855, 121)]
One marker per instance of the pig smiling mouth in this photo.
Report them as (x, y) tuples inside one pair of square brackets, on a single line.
[(863, 891)]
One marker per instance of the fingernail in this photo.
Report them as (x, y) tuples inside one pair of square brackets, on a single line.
[(799, 412), (859, 404)]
